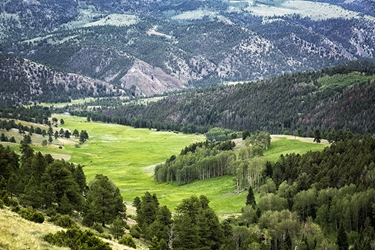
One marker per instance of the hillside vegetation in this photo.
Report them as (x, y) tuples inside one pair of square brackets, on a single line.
[(335, 98), (289, 197)]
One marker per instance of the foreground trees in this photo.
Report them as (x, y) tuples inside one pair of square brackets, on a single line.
[(104, 202)]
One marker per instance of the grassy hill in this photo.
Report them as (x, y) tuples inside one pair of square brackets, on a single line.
[(18, 233)]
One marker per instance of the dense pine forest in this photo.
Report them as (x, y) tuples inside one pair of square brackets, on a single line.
[(337, 98)]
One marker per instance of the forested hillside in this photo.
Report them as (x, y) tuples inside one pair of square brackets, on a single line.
[(336, 98)]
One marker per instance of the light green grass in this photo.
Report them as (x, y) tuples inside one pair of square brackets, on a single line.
[(122, 153), (282, 144), (126, 155), (63, 104), (341, 81)]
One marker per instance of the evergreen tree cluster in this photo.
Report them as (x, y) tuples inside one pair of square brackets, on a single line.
[(36, 114), (42, 182), (343, 163), (194, 226), (46, 186), (313, 201)]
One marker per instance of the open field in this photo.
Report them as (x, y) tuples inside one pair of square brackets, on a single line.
[(127, 156)]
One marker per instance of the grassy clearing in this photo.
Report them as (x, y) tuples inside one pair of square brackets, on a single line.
[(121, 153), (287, 144), (127, 156), (341, 81)]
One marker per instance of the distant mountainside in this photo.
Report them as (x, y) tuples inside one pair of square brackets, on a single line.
[(24, 82), (340, 98), (151, 47)]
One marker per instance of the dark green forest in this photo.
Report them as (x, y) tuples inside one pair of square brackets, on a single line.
[(336, 98)]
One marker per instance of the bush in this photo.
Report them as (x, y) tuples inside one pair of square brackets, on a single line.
[(63, 221), (1, 204), (32, 215), (127, 241), (75, 238), (12, 203), (7, 200), (16, 209), (135, 231), (97, 227), (51, 212), (106, 236)]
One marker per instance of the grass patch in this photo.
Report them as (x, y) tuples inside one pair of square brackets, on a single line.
[(341, 81), (283, 144)]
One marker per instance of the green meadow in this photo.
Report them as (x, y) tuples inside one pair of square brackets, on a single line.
[(127, 156)]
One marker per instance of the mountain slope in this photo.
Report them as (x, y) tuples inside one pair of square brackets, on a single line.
[(24, 82), (187, 43), (340, 98)]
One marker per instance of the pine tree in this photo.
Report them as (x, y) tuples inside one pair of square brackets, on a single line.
[(47, 191), (155, 245), (12, 184), (317, 136), (250, 199), (149, 207), (80, 178), (161, 226), (65, 206), (117, 228), (64, 183), (104, 202), (342, 238), (32, 194)]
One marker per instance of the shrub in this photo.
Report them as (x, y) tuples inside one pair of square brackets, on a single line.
[(127, 241), (32, 215), (135, 231), (4, 196), (97, 227), (106, 236), (16, 209), (12, 203), (51, 212), (63, 221), (1, 204), (75, 238)]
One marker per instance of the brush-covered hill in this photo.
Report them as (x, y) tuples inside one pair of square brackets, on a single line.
[(151, 47), (340, 98), (24, 82)]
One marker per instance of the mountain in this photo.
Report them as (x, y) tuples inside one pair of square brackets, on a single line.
[(149, 47)]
